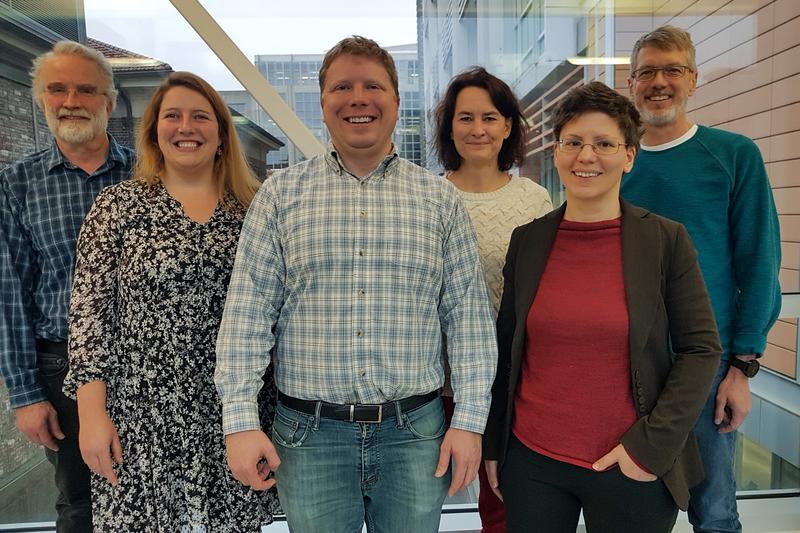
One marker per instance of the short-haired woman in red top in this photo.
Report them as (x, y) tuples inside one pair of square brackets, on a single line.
[(607, 345)]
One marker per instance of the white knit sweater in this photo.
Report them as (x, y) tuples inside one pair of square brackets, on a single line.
[(495, 215)]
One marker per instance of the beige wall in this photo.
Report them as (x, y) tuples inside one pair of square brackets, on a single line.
[(748, 57)]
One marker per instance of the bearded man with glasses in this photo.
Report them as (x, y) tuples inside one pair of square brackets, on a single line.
[(44, 198), (714, 183)]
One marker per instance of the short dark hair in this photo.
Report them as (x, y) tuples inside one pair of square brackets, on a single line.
[(597, 96), (357, 45), (503, 98)]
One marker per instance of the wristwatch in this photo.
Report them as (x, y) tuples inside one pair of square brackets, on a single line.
[(748, 368)]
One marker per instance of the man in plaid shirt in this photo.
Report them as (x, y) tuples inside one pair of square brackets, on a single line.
[(45, 198), (356, 268)]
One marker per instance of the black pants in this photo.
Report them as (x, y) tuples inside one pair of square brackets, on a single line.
[(543, 495), (74, 504)]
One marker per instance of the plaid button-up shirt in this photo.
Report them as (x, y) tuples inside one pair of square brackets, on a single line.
[(355, 284), (43, 201)]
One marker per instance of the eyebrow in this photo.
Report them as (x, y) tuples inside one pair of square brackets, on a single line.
[(195, 110)]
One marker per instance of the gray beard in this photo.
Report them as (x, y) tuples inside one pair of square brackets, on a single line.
[(77, 133), (661, 118)]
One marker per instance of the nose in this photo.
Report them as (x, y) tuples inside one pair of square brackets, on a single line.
[(186, 123), (478, 129), (587, 153), (71, 100), (659, 79), (359, 95)]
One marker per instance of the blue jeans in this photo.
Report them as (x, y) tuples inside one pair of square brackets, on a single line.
[(336, 475), (712, 507)]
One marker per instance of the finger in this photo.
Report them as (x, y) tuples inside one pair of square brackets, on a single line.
[(271, 455), (45, 438), (116, 449), (472, 472), (458, 480), (106, 468), (444, 460), (605, 462), (55, 427), (719, 410)]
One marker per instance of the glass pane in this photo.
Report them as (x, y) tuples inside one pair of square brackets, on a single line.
[(749, 81)]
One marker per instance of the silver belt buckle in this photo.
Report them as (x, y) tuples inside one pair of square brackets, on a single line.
[(367, 421)]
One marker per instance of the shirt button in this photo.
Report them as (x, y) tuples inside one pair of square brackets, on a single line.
[(362, 373), (363, 214), (359, 333), (361, 253), (361, 292)]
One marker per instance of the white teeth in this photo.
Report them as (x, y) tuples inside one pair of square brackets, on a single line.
[(359, 120), (587, 174), (659, 97), (187, 144)]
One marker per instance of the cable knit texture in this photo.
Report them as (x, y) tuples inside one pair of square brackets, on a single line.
[(495, 215)]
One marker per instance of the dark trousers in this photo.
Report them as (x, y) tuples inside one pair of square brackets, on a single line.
[(543, 495), (74, 504)]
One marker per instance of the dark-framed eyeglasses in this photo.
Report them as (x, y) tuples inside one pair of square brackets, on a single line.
[(670, 71), (573, 146)]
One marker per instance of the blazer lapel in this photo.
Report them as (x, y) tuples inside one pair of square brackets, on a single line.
[(532, 258), (641, 260)]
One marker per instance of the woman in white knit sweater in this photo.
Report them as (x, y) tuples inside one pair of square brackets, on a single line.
[(480, 135)]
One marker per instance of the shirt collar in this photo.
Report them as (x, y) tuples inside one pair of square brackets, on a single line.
[(335, 161), (116, 155)]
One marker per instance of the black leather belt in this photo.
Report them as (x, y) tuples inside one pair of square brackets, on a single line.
[(368, 413), (52, 347)]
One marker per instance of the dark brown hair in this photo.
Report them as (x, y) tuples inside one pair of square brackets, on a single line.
[(597, 96), (513, 150)]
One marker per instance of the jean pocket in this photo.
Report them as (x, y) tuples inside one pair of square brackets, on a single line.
[(426, 422), (290, 429), (51, 365)]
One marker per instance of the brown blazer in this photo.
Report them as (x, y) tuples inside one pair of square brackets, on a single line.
[(667, 300)]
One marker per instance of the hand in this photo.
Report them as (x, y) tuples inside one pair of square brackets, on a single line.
[(464, 448), (733, 399), (99, 443), (619, 456), (39, 423), (246, 452), (491, 476)]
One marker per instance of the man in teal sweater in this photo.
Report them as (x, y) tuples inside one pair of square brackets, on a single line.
[(714, 182)]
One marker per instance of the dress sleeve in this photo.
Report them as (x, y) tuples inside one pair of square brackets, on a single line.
[(93, 303)]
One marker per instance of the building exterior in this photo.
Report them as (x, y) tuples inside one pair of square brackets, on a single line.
[(295, 79), (749, 82)]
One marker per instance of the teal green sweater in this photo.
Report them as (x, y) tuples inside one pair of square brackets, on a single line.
[(716, 185)]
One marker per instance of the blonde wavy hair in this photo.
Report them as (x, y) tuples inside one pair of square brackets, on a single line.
[(233, 173)]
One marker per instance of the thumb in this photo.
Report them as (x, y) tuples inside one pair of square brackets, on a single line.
[(719, 411), (605, 462), (444, 460), (55, 427)]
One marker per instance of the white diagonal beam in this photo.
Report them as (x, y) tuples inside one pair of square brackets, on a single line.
[(249, 76)]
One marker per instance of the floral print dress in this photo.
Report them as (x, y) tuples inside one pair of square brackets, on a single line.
[(150, 285)]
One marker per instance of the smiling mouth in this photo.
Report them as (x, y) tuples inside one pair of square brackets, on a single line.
[(583, 174), (359, 120), (187, 144), (659, 98)]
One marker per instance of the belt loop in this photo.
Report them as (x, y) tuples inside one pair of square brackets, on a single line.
[(398, 411), (317, 411)]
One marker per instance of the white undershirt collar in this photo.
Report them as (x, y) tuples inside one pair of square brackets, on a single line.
[(675, 142)]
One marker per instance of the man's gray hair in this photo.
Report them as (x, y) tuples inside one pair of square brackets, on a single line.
[(73, 48), (665, 38)]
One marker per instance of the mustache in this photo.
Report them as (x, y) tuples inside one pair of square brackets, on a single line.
[(74, 113)]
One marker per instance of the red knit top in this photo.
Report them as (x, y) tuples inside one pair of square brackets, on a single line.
[(574, 399)]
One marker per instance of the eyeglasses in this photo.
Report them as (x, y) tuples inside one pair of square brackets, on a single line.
[(670, 71), (574, 146)]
